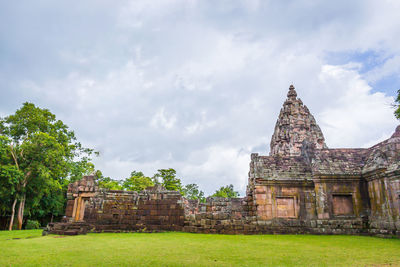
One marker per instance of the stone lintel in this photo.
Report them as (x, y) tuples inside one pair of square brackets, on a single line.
[(333, 178), (375, 174), (87, 194), (287, 182), (381, 173)]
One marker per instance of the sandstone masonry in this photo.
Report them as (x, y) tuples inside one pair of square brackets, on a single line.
[(301, 187)]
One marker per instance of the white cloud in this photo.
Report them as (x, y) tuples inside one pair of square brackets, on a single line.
[(356, 116), (217, 166), (162, 120), (197, 85)]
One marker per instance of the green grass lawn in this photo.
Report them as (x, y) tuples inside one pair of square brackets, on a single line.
[(184, 249)]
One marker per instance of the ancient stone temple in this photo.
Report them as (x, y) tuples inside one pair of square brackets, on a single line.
[(301, 187), (326, 190)]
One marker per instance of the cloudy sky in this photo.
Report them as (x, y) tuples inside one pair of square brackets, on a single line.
[(197, 85)]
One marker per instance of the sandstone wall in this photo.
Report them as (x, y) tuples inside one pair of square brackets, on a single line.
[(218, 215), (224, 216), (90, 209), (341, 198), (132, 211), (384, 193), (278, 199)]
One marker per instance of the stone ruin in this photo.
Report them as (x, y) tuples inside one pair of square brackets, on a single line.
[(301, 187)]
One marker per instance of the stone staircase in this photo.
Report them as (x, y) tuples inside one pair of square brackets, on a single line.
[(68, 228)]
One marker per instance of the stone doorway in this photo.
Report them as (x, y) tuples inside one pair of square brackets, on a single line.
[(79, 208)]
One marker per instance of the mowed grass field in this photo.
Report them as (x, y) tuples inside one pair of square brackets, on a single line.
[(185, 249)]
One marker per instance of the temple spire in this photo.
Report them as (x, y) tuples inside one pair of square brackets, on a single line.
[(295, 125)]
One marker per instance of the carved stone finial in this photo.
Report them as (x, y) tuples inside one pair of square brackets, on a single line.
[(292, 94)]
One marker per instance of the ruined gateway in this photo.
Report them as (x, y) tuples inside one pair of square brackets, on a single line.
[(301, 187)]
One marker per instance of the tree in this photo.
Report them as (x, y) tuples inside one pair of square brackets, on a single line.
[(226, 191), (191, 191), (397, 111), (137, 182), (107, 182), (167, 178), (79, 168), (43, 149), (10, 177)]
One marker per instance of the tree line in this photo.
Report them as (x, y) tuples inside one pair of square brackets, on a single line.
[(40, 156), (166, 178)]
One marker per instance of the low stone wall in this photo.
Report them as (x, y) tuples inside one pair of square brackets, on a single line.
[(151, 210), (217, 215), (276, 226), (131, 211)]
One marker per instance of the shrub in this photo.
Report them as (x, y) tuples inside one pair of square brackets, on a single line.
[(32, 224)]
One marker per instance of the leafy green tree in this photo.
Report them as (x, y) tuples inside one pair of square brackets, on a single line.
[(107, 182), (397, 111), (226, 191), (167, 178), (52, 203), (44, 150), (79, 168), (10, 178), (192, 191), (137, 182)]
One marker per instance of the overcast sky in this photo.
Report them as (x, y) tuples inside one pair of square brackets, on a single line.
[(198, 85)]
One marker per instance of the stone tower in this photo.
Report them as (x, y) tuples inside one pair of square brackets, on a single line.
[(295, 125)]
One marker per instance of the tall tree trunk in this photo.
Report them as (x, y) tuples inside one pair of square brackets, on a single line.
[(12, 214), (22, 202), (21, 212)]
